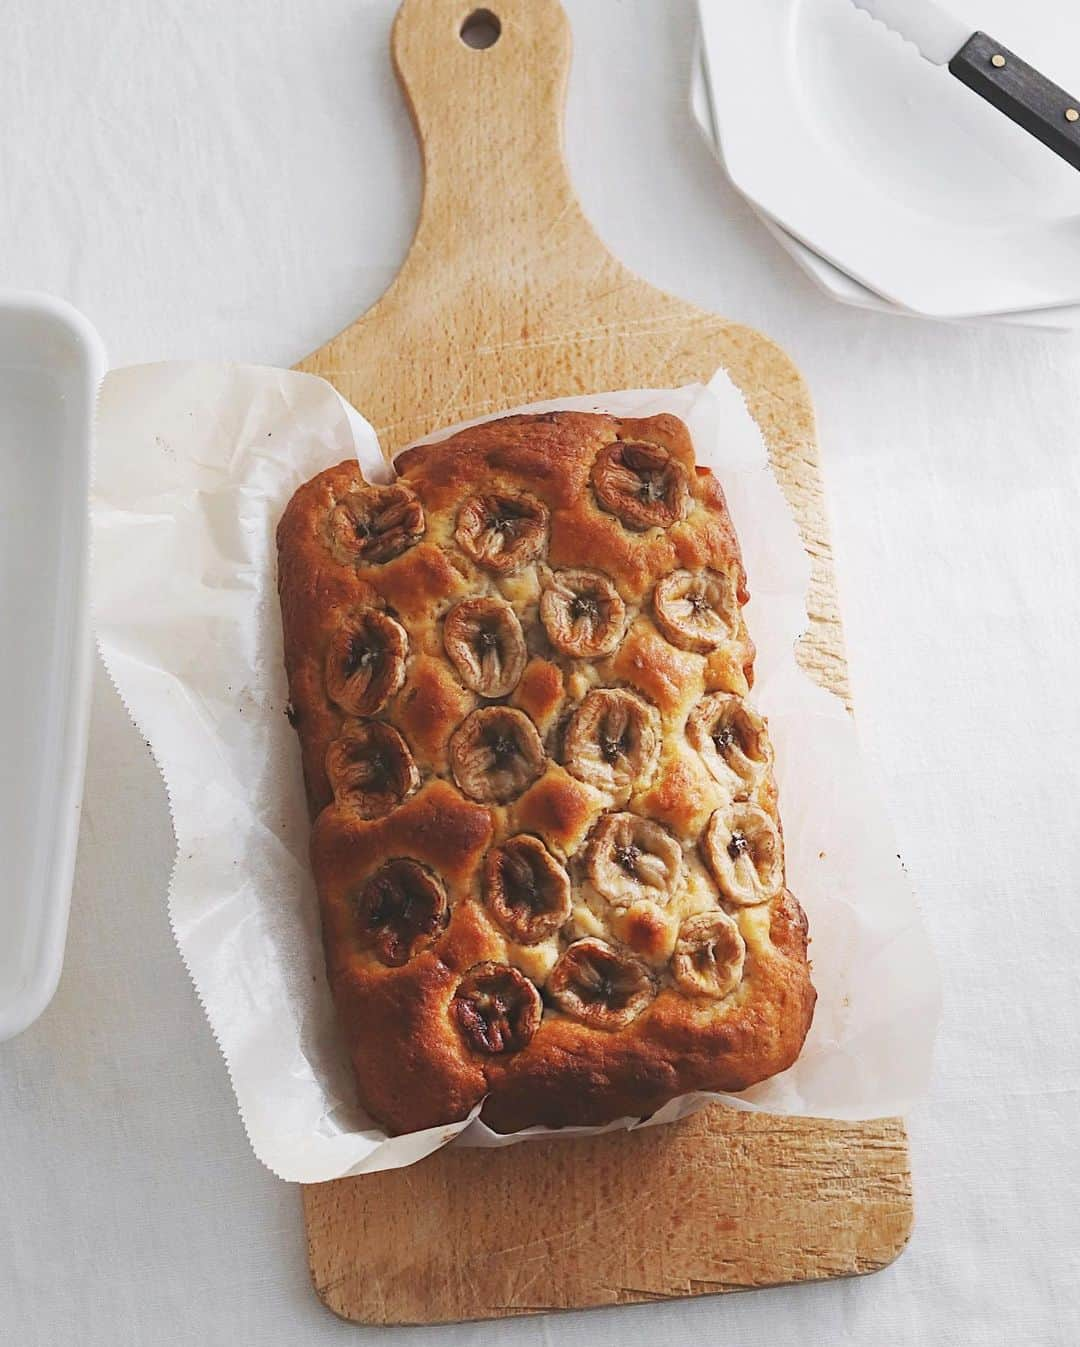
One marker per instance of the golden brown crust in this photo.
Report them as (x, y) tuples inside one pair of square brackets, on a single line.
[(552, 815)]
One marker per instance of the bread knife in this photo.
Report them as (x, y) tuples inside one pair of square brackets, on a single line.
[(994, 72)]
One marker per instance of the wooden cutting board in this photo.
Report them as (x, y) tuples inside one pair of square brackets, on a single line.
[(508, 296)]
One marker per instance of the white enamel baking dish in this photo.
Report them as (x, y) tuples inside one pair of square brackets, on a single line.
[(51, 363)]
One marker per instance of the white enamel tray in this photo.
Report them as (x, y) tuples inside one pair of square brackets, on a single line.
[(886, 166), (51, 363), (836, 283)]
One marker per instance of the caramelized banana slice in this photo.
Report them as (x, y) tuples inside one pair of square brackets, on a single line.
[(496, 754), (709, 955), (582, 613), (399, 911), (375, 523), (697, 610), (370, 768), (732, 740), (527, 890), (497, 1008), (641, 484), (743, 850), (612, 742), (629, 858), (365, 662), (486, 645), (599, 985), (502, 532)]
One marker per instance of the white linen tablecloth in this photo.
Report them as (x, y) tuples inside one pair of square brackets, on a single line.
[(239, 179)]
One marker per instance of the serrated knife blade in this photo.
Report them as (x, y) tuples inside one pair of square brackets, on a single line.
[(938, 34), (996, 74)]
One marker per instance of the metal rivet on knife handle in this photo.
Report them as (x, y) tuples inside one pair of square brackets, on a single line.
[(1071, 115), (1018, 90)]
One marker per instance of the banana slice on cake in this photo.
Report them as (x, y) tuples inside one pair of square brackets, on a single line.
[(643, 485), (582, 613), (732, 740), (744, 853), (497, 1008), (526, 890), (697, 610), (486, 645), (502, 532), (370, 768), (709, 955), (399, 911), (374, 524), (612, 742), (365, 661), (630, 858), (599, 985), (496, 754)]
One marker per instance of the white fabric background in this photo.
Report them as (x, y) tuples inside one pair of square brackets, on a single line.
[(239, 179)]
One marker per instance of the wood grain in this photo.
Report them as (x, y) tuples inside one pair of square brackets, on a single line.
[(508, 296), (719, 1202)]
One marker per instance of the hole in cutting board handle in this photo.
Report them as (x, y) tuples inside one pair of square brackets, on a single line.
[(481, 30)]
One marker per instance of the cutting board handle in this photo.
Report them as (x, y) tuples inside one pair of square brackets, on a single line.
[(489, 124)]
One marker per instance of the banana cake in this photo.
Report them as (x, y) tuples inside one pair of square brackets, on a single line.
[(545, 834)]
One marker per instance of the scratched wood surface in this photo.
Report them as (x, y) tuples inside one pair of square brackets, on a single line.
[(505, 297)]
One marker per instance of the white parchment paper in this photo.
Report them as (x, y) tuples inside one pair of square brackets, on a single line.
[(195, 465)]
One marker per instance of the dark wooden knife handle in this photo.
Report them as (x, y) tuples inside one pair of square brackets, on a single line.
[(1021, 93)]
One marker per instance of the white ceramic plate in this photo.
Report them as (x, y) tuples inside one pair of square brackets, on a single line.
[(834, 282), (885, 165), (837, 283), (51, 363)]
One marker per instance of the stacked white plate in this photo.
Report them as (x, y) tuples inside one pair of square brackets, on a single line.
[(891, 184)]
